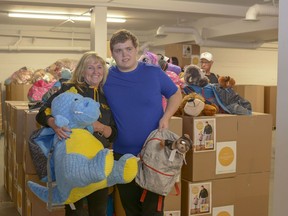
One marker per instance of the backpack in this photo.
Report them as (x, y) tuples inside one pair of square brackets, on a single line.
[(161, 159), (41, 146)]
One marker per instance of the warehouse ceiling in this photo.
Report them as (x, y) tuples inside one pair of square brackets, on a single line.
[(219, 23)]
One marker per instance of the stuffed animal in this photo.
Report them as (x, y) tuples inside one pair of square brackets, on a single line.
[(226, 81), (182, 145), (149, 57), (226, 99), (81, 164), (193, 104), (193, 75)]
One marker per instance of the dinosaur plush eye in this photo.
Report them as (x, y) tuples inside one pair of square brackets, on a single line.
[(75, 99)]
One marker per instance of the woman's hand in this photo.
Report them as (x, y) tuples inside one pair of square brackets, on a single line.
[(102, 129), (62, 132)]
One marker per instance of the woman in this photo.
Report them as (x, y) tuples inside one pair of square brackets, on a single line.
[(87, 79)]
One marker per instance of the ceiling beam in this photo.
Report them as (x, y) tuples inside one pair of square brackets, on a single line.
[(163, 5)]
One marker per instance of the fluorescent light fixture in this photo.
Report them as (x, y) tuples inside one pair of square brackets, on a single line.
[(62, 17), (115, 20)]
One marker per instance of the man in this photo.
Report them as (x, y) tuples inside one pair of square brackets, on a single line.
[(134, 93), (206, 61), (203, 195), (207, 131)]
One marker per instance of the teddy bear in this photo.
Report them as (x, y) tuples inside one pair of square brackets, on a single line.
[(193, 75), (226, 81), (182, 145), (80, 164), (226, 99), (193, 104)]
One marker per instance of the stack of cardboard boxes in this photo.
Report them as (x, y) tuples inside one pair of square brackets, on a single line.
[(18, 165), (234, 166), (263, 98), (1, 116)]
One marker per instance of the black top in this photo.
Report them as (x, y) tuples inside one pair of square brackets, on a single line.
[(105, 117), (212, 77)]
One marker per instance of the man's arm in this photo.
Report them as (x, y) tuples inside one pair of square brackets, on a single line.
[(173, 104)]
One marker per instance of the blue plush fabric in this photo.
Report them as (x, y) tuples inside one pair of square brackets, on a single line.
[(81, 164)]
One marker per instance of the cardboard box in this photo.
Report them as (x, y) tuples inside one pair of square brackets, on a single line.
[(173, 201), (221, 193), (10, 140), (201, 165), (17, 128), (254, 143), (176, 125), (176, 50), (252, 194), (10, 174), (28, 164), (8, 120), (7, 109), (35, 206), (30, 126), (5, 127), (254, 94), (270, 102), (30, 123), (244, 194), (17, 92), (20, 190)]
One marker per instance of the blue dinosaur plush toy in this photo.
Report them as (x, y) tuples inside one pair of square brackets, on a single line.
[(81, 164)]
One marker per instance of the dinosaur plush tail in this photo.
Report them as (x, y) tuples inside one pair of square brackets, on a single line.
[(42, 193), (124, 170)]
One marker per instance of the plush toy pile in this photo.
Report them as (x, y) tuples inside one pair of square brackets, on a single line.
[(220, 95), (200, 97), (81, 165)]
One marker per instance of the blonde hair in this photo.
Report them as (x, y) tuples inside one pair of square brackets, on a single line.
[(77, 76)]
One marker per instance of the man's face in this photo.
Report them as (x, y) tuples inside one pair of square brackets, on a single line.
[(206, 65), (125, 55)]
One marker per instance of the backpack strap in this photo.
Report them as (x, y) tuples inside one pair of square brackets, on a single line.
[(143, 196), (177, 190), (50, 182), (160, 200), (160, 203)]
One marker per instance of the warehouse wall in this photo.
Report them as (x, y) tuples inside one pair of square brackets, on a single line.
[(246, 66)]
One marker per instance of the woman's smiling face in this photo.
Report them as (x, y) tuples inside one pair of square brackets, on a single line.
[(93, 73)]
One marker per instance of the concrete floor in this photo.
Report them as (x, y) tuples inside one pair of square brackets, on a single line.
[(7, 208)]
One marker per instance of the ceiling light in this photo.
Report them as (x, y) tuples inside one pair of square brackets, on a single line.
[(62, 17)]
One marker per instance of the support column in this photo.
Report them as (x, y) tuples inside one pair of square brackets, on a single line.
[(280, 189), (98, 39)]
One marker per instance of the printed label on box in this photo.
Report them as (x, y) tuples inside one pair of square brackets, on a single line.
[(223, 211), (200, 198), (172, 213), (204, 135), (226, 157)]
